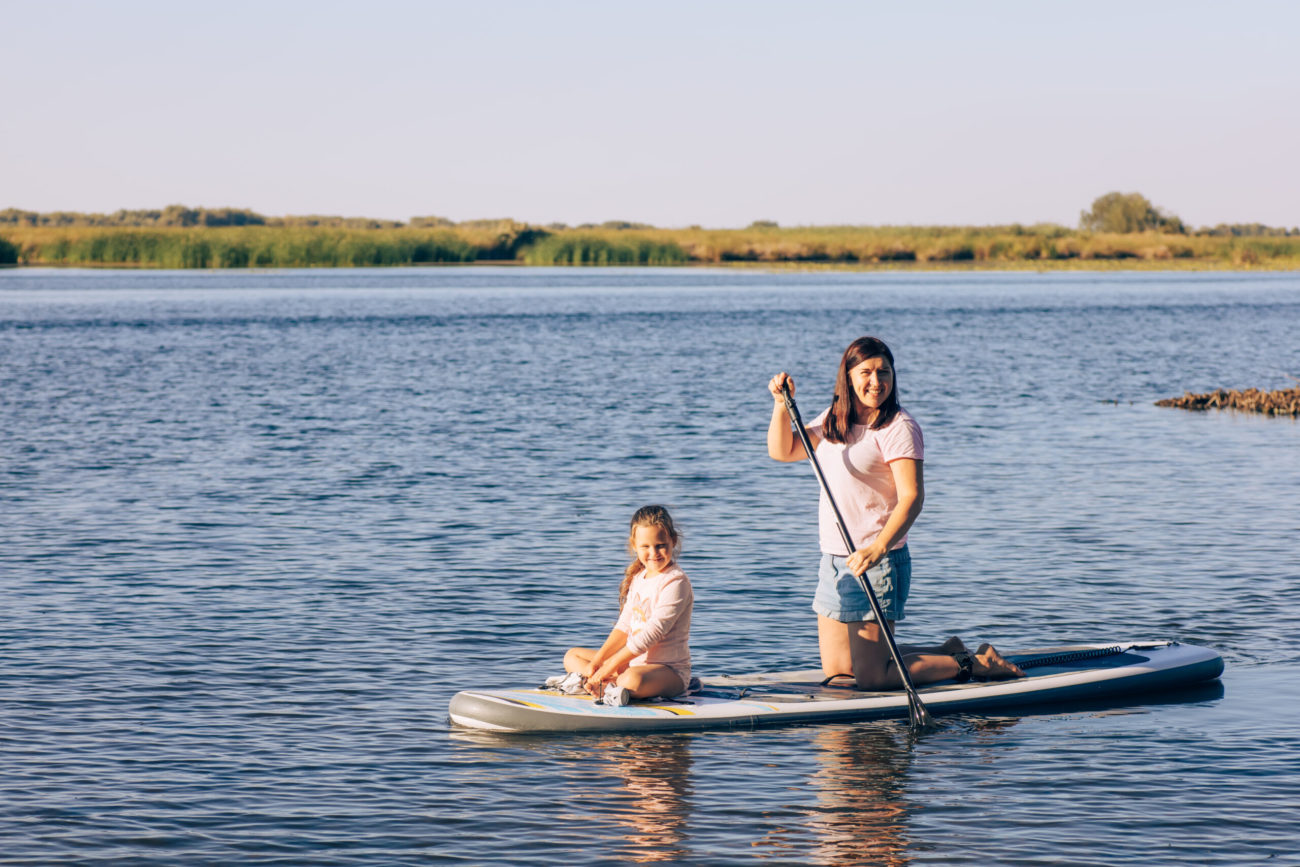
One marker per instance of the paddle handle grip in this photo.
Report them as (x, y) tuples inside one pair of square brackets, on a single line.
[(790, 407)]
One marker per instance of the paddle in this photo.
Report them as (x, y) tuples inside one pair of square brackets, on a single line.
[(917, 714)]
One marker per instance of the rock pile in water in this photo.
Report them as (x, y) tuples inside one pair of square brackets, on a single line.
[(1284, 401)]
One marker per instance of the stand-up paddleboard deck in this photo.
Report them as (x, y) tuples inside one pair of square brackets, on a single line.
[(1053, 675)]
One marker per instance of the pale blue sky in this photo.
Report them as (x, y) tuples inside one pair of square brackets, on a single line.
[(672, 113)]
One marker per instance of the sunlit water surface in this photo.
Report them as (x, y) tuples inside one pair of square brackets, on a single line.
[(260, 527)]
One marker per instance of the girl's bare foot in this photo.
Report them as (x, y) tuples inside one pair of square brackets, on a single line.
[(991, 664)]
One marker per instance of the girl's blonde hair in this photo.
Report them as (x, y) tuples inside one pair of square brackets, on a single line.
[(646, 516)]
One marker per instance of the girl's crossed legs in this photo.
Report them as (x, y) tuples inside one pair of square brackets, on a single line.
[(643, 681)]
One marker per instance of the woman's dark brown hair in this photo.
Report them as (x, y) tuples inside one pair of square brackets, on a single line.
[(646, 516), (843, 415)]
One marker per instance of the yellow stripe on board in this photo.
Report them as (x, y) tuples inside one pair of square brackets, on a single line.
[(583, 697), (674, 710)]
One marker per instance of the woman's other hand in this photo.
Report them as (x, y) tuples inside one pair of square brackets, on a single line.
[(864, 558)]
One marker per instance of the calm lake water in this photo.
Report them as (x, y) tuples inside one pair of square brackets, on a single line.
[(260, 527)]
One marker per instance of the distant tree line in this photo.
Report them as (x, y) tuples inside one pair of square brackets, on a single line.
[(1124, 213), (180, 216), (1115, 213), (1248, 230), (172, 215)]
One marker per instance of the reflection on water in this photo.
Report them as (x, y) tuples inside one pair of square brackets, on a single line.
[(860, 782), (629, 795), (655, 777), (865, 793), (636, 794)]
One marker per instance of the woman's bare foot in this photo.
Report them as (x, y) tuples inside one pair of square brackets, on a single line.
[(990, 664), (952, 645)]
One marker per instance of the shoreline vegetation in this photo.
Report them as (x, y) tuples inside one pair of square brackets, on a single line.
[(1121, 231)]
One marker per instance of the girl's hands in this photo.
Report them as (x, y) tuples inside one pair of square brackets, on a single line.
[(596, 680), (864, 558), (588, 673), (588, 670), (775, 383)]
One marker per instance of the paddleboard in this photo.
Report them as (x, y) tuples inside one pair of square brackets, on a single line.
[(1054, 675)]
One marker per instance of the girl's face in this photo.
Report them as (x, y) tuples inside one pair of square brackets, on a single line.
[(872, 382), (653, 547)]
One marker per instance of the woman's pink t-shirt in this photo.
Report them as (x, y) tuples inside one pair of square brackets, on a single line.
[(657, 619), (860, 478)]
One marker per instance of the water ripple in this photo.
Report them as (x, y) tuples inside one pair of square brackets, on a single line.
[(260, 527)]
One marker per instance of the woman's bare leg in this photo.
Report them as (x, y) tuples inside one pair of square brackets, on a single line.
[(858, 649), (873, 665), (949, 647), (833, 641)]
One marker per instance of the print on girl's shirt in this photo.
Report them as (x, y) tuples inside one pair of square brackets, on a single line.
[(639, 615)]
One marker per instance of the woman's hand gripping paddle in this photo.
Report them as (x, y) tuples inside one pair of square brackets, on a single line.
[(917, 714)]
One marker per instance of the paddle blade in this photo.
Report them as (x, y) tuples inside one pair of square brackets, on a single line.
[(919, 716)]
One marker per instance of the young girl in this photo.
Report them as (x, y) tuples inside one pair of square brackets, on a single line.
[(646, 654)]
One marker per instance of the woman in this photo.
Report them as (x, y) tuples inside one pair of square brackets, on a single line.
[(871, 452)]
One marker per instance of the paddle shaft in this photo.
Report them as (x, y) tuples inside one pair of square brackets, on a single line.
[(919, 716)]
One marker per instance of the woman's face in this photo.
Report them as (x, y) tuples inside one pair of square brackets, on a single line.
[(873, 381)]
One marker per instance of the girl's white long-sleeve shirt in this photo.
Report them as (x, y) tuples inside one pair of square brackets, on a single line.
[(657, 618)]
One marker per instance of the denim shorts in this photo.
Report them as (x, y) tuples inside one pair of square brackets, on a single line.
[(840, 597)]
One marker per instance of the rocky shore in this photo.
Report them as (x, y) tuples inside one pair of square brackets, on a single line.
[(1284, 401)]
